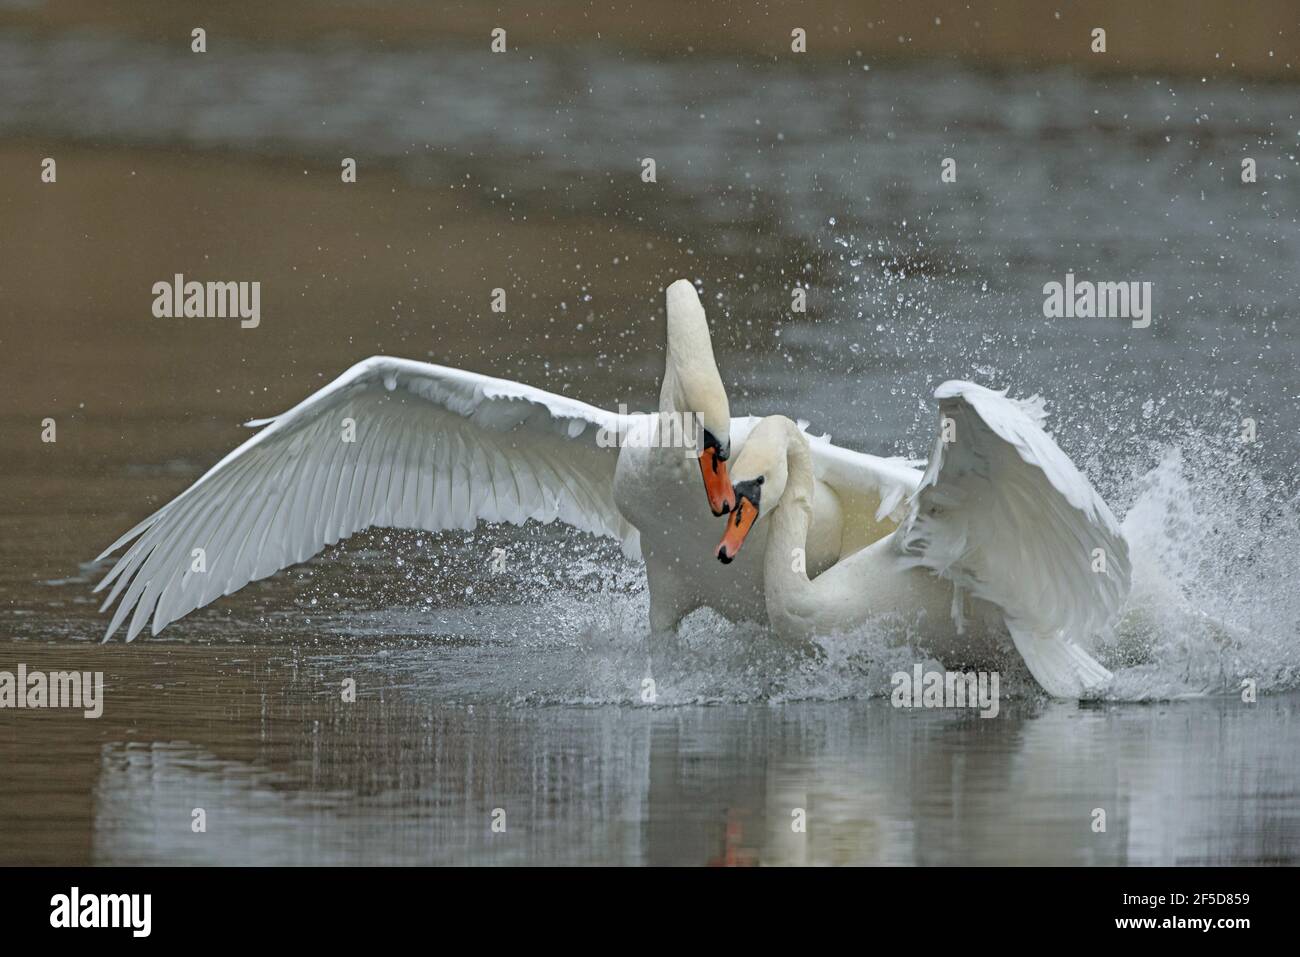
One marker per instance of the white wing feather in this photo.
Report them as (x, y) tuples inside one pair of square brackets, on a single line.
[(435, 448), (887, 483), (1004, 514), (873, 492)]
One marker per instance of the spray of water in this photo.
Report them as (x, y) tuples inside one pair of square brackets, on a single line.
[(1213, 606)]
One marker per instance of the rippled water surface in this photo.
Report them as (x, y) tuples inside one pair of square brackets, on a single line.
[(288, 774), (523, 691)]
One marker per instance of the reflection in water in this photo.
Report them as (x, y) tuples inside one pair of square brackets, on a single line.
[(396, 780)]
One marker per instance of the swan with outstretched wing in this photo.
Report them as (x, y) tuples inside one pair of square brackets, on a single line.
[(394, 442)]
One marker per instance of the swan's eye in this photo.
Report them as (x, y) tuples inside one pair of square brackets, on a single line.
[(750, 489)]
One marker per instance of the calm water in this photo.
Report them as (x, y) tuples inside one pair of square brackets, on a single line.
[(522, 691)]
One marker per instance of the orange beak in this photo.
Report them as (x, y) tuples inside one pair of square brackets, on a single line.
[(738, 527), (717, 485)]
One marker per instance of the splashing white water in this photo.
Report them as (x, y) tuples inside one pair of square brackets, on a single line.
[(1213, 602), (1212, 606)]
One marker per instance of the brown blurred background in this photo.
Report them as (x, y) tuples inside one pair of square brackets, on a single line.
[(1255, 37)]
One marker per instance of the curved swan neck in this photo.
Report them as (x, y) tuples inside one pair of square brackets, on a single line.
[(786, 574), (691, 379), (799, 476)]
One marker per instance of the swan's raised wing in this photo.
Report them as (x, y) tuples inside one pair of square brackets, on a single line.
[(391, 442), (1004, 514), (872, 491)]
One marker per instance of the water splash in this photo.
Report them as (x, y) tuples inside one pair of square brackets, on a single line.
[(1213, 602)]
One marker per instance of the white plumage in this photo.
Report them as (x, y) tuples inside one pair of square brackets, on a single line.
[(437, 448), (1004, 514), (1002, 527), (433, 448)]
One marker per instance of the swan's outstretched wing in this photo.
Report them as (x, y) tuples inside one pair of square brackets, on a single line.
[(1003, 513), (391, 442), (872, 491)]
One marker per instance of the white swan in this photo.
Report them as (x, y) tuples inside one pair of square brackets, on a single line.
[(1002, 515), (435, 448)]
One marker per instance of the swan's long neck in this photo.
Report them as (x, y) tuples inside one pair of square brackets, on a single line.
[(786, 583), (691, 380)]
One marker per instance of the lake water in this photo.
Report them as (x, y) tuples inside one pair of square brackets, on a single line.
[(522, 692)]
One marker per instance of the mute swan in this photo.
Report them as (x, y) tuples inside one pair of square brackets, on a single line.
[(1001, 513), (393, 442)]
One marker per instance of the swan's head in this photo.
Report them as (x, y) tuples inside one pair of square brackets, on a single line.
[(713, 467), (758, 475), (693, 387)]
